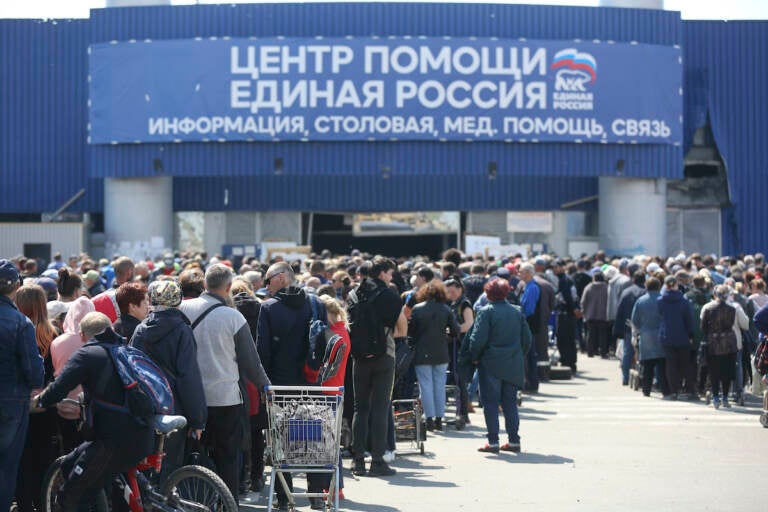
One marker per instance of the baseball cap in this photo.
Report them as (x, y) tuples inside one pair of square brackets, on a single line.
[(91, 275), (540, 261), (9, 274), (51, 273)]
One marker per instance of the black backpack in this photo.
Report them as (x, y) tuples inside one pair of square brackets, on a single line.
[(366, 330)]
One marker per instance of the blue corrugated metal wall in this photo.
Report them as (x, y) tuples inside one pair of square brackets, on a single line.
[(374, 193), (44, 115), (727, 66), (355, 160)]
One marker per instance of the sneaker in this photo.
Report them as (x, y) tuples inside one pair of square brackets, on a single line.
[(716, 402), (510, 447), (316, 503), (380, 469), (389, 456), (669, 397), (489, 448), (726, 403), (358, 467), (439, 424)]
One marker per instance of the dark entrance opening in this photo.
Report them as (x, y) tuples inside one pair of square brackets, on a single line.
[(334, 232)]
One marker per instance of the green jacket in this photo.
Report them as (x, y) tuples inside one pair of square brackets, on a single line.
[(500, 340)]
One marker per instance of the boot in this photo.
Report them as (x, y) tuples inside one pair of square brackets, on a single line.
[(439, 424), (430, 424)]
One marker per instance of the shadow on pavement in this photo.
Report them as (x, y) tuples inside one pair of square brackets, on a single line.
[(536, 458), (348, 504)]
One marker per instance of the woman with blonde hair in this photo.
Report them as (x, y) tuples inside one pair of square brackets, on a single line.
[(39, 449)]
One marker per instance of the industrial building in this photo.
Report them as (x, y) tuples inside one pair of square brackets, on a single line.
[(213, 126)]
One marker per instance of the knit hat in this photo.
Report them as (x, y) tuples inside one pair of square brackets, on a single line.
[(165, 293)]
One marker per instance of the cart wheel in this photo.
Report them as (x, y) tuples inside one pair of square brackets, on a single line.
[(421, 448), (764, 419)]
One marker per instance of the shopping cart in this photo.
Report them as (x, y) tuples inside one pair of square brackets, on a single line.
[(409, 425), (303, 437)]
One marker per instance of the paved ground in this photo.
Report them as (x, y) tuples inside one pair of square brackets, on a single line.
[(588, 444)]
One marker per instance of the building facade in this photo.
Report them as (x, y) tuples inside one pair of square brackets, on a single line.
[(675, 158)]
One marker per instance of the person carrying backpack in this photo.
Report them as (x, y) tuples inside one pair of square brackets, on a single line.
[(374, 310), (116, 440), (166, 337)]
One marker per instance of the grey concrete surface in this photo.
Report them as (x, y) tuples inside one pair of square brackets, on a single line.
[(588, 444)]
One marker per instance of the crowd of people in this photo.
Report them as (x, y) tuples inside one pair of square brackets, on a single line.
[(222, 330)]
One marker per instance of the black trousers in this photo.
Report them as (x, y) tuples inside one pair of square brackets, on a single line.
[(680, 369), (598, 337), (373, 380), (93, 464), (223, 436), (649, 366), (566, 338), (40, 450), (722, 370)]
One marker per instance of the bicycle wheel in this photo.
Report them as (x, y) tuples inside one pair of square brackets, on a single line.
[(53, 480), (195, 488)]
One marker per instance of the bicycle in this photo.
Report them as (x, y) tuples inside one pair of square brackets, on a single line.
[(188, 489)]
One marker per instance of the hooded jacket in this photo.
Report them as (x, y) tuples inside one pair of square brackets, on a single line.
[(676, 327), (698, 298), (68, 343), (283, 335), (166, 337)]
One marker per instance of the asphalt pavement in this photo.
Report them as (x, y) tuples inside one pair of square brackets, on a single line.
[(587, 444)]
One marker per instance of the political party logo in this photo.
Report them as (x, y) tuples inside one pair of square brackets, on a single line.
[(575, 72)]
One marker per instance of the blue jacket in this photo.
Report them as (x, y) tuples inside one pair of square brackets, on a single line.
[(627, 301), (21, 367), (676, 329), (166, 337), (499, 340), (646, 318)]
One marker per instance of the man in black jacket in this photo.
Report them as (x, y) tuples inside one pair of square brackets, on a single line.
[(373, 374), (166, 337), (568, 311), (282, 342), (118, 441)]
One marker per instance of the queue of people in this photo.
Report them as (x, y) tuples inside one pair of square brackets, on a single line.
[(222, 331)]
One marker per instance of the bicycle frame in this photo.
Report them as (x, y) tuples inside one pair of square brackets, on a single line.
[(129, 483)]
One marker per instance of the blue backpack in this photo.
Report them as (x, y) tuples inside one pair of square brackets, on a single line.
[(147, 390)]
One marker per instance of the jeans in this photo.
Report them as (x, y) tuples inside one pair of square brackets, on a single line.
[(649, 367), (14, 419), (738, 383), (626, 360), (473, 386), (373, 379), (494, 391), (432, 388)]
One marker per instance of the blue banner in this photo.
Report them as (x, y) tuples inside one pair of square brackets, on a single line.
[(404, 88)]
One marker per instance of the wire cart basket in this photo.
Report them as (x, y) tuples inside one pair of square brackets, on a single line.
[(303, 437), (408, 425)]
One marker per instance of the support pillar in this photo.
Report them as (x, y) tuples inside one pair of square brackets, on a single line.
[(633, 216)]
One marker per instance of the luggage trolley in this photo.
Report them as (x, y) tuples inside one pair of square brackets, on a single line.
[(303, 437)]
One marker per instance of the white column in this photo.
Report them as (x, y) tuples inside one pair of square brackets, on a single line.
[(633, 216), (135, 211)]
